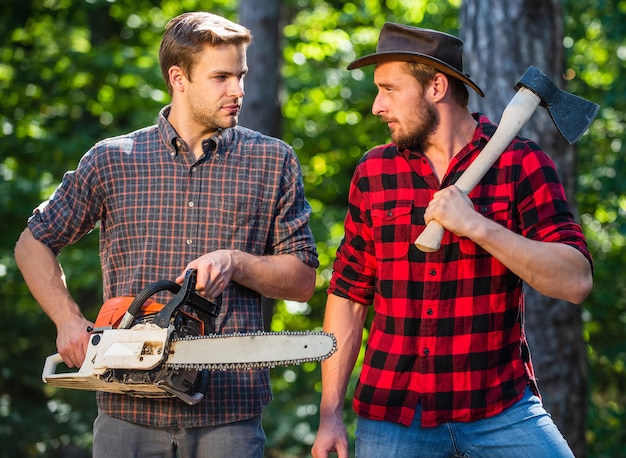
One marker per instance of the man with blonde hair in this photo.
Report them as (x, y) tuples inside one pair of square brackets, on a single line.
[(194, 191)]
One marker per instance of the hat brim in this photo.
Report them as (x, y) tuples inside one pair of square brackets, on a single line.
[(379, 57)]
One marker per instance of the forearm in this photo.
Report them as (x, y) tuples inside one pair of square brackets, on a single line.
[(554, 269), (278, 276), (46, 281), (344, 319)]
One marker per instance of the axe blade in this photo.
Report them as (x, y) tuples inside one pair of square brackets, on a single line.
[(572, 115)]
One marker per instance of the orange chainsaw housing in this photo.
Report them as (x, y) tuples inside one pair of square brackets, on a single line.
[(113, 310)]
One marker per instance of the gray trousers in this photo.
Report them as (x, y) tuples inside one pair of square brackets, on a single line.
[(115, 438)]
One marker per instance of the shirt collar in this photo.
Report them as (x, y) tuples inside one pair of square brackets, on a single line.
[(175, 144), (170, 138), (483, 132)]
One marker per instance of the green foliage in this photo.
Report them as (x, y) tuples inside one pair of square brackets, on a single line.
[(73, 72), (597, 56)]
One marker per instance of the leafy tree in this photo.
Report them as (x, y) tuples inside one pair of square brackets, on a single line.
[(596, 52)]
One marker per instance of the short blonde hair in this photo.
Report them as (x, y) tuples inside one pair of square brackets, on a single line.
[(187, 35)]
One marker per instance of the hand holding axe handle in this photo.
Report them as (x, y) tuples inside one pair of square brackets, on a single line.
[(571, 114)]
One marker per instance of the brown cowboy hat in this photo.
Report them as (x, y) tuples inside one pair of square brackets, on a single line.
[(405, 43)]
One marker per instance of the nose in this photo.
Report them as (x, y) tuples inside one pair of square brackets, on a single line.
[(235, 89), (377, 106)]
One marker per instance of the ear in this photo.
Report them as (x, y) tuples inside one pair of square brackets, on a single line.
[(439, 86), (177, 78)]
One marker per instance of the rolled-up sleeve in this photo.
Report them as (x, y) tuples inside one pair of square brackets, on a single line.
[(354, 268), (72, 211)]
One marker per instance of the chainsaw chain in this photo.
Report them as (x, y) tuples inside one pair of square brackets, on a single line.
[(250, 365)]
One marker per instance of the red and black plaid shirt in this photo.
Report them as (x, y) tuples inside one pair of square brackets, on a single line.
[(447, 332), (159, 208)]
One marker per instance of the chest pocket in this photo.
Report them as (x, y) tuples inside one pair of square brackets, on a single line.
[(495, 209), (391, 223)]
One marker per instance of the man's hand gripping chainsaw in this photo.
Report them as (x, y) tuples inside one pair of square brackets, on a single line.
[(142, 348)]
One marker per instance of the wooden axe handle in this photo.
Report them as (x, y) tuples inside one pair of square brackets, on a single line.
[(515, 115)]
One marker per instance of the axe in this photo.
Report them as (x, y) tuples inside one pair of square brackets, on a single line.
[(571, 114)]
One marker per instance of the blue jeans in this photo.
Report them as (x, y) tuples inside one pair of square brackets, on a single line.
[(120, 439), (524, 430)]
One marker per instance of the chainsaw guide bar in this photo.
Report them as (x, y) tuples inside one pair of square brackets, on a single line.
[(250, 350)]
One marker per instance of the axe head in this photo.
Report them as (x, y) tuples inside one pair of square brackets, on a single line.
[(571, 114)]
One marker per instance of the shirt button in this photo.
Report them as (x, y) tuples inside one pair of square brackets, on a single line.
[(433, 272), (188, 241), (429, 311), (483, 209), (190, 204), (426, 351), (389, 213)]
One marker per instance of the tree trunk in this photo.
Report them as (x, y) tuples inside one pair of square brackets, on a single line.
[(501, 40), (261, 108)]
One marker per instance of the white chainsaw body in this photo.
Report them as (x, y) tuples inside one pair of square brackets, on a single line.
[(133, 349), (142, 361), (159, 356)]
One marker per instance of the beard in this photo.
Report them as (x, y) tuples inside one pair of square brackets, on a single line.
[(211, 120), (207, 112), (426, 123)]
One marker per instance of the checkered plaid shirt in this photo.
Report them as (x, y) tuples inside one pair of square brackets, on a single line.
[(159, 208), (447, 332)]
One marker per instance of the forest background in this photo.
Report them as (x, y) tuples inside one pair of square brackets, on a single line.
[(75, 71)]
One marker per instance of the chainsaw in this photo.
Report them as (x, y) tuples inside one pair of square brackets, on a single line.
[(143, 348)]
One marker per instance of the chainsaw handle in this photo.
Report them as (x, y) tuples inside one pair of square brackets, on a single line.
[(184, 294), (50, 366), (162, 319)]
